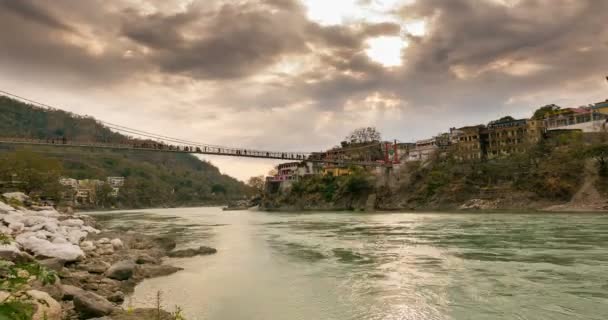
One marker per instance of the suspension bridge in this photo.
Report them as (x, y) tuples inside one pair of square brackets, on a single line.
[(139, 140)]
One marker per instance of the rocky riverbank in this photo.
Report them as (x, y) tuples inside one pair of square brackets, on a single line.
[(86, 271)]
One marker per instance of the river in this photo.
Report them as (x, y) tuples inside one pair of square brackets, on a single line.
[(346, 266)]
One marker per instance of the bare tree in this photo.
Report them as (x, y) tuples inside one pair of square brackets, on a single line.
[(363, 135), (256, 183)]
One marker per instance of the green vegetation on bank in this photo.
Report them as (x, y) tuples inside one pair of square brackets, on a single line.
[(327, 191), (548, 173), (153, 179)]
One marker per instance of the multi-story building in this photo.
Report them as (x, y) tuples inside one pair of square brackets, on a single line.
[(116, 182), (585, 119), (601, 107), (508, 135), (470, 142), (423, 150), (69, 182), (404, 149)]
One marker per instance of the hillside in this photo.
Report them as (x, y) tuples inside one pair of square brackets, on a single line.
[(152, 179), (564, 172)]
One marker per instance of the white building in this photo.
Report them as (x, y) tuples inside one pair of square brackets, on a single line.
[(423, 150), (116, 182)]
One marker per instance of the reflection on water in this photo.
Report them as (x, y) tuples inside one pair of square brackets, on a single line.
[(380, 266)]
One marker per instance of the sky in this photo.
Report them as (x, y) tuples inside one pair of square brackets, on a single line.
[(295, 75)]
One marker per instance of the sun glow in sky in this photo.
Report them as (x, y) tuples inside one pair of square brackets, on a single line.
[(386, 50), (294, 75)]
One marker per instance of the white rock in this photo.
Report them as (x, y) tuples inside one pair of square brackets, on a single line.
[(117, 244), (45, 248), (90, 229), (16, 226), (75, 236), (12, 217), (87, 246), (5, 230), (47, 307), (9, 251), (5, 207), (59, 240), (72, 223), (20, 196), (103, 241)]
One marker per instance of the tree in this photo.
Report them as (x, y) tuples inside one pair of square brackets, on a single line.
[(256, 183), (218, 188), (363, 135), (34, 173), (104, 196), (600, 154), (545, 111)]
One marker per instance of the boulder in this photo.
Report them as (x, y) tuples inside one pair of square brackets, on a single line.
[(153, 271), (117, 297), (146, 259), (44, 248), (16, 227), (69, 292), (46, 307), (166, 243), (5, 208), (105, 248), (87, 246), (75, 236), (122, 270), (89, 305), (97, 267), (103, 241), (192, 252), (117, 244), (55, 264), (72, 223), (11, 253), (19, 196)]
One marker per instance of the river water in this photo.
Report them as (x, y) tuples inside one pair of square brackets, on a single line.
[(379, 266)]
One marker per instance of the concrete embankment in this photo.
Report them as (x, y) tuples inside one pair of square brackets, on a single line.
[(90, 270)]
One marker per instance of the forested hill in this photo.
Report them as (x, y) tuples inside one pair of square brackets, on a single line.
[(152, 179)]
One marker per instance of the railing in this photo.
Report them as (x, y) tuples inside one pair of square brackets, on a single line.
[(196, 149)]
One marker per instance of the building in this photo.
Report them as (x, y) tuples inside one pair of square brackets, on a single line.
[(470, 143), (69, 182), (586, 119), (404, 149), (423, 150), (508, 135), (115, 182), (336, 170), (601, 107)]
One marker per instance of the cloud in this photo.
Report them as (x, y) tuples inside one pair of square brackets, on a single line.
[(476, 59)]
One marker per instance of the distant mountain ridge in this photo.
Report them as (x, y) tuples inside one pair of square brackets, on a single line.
[(153, 179)]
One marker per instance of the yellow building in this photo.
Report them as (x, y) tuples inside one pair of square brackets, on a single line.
[(336, 171), (601, 107)]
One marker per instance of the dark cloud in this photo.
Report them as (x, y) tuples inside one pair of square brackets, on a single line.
[(476, 55), (33, 13)]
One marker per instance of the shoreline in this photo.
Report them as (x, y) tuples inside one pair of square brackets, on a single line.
[(91, 268)]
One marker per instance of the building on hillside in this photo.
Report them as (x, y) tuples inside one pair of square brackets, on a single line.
[(336, 170), (115, 182), (287, 174), (357, 152), (423, 150), (470, 142), (84, 196), (404, 149), (601, 107), (586, 119), (508, 135), (69, 182)]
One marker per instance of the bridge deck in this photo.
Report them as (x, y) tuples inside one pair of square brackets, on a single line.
[(208, 150)]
